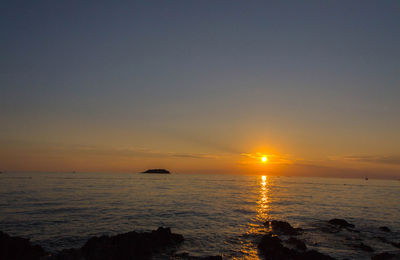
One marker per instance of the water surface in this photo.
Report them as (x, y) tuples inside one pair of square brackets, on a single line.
[(217, 214)]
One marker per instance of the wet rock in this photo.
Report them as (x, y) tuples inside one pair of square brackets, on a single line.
[(395, 244), (187, 256), (385, 256), (364, 247), (340, 223), (384, 229), (68, 254), (215, 257), (284, 228), (313, 255), (272, 249), (297, 243), (382, 239), (131, 245), (19, 248)]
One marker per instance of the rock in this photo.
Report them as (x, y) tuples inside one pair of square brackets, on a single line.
[(68, 254), (384, 229), (187, 256), (19, 248), (272, 249), (297, 243), (313, 255), (395, 244), (159, 171), (340, 223), (131, 245), (382, 239), (364, 247), (385, 256), (284, 228)]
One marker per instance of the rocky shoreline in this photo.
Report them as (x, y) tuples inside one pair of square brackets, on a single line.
[(280, 242)]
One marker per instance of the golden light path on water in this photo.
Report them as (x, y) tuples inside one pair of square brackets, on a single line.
[(255, 226)]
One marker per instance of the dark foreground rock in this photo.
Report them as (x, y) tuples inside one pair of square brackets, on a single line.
[(131, 245), (297, 243), (340, 223), (187, 256), (19, 248), (395, 244), (384, 229), (364, 247), (283, 228), (272, 249), (386, 256)]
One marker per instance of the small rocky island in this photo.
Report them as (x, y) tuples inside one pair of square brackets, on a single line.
[(157, 171)]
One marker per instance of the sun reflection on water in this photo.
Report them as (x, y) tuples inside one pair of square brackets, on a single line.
[(256, 225), (263, 202)]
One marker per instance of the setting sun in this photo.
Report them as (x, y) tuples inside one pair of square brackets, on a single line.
[(264, 159)]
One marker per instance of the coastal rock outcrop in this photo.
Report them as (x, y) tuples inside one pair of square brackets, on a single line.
[(296, 243), (341, 223), (384, 229), (386, 256), (272, 249), (283, 228), (19, 248), (131, 245), (364, 247)]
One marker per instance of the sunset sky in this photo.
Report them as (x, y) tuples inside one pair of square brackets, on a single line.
[(201, 87)]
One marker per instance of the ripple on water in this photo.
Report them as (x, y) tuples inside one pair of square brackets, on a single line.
[(217, 214)]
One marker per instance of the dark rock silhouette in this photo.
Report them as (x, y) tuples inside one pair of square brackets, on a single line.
[(131, 245), (272, 249), (19, 248), (159, 171), (386, 256), (395, 244), (297, 243), (340, 223), (364, 247), (384, 229), (283, 227), (313, 255), (187, 256)]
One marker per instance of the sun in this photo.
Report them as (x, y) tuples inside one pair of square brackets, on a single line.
[(264, 159)]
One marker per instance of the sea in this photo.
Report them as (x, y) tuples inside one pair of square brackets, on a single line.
[(216, 214)]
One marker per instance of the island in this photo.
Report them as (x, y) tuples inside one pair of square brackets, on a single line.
[(158, 171)]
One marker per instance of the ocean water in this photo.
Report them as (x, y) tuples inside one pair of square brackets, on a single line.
[(217, 214)]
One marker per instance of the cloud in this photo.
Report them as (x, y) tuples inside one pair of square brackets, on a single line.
[(195, 156), (394, 160), (91, 150)]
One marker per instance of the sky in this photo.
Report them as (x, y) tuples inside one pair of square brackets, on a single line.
[(201, 87)]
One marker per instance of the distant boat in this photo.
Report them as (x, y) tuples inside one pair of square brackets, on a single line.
[(157, 171)]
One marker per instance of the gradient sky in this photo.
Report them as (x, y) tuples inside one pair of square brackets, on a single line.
[(201, 86)]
